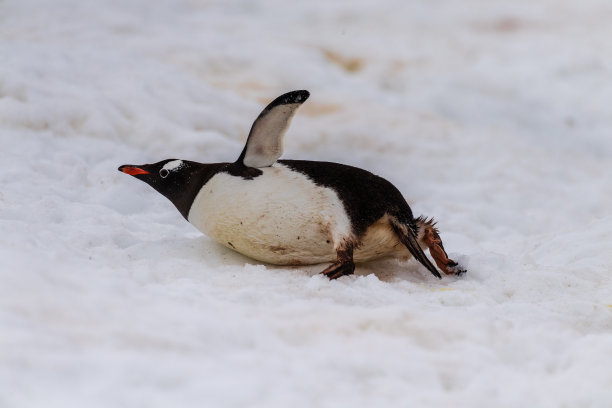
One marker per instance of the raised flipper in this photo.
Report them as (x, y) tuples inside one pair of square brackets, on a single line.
[(265, 142)]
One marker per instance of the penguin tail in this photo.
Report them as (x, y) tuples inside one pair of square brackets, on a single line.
[(407, 234)]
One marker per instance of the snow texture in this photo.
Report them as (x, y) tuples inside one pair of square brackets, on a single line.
[(492, 116)]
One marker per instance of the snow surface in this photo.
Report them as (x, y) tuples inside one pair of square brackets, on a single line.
[(492, 116)]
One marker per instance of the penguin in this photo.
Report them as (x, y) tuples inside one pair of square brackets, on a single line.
[(296, 212)]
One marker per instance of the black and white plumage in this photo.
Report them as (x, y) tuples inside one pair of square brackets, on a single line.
[(295, 212)]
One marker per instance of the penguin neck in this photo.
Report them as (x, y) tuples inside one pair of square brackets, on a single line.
[(183, 191)]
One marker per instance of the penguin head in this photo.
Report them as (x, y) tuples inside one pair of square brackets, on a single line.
[(177, 180), (168, 177), (163, 176)]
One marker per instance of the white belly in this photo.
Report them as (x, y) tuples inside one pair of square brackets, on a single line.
[(281, 217)]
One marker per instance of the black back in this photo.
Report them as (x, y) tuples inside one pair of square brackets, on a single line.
[(366, 196)]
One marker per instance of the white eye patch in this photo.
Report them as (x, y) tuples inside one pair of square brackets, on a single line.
[(173, 165)]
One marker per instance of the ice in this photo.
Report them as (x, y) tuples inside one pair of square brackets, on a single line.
[(492, 117)]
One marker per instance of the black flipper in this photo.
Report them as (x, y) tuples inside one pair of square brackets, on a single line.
[(408, 237), (265, 142)]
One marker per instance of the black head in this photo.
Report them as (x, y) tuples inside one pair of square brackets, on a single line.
[(178, 180)]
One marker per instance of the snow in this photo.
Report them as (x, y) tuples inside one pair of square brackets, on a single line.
[(493, 117)]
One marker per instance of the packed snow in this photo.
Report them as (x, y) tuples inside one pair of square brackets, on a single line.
[(494, 117)]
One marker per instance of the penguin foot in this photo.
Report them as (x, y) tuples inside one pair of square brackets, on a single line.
[(338, 269), (431, 237), (344, 265)]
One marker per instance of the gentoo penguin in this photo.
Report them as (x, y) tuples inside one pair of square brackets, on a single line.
[(295, 212)]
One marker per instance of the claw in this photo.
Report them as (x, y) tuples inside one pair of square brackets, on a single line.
[(344, 265), (454, 268), (338, 269)]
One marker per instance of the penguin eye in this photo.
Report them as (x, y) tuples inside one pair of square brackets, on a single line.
[(163, 173)]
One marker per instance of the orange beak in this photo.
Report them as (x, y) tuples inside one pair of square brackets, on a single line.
[(132, 171)]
